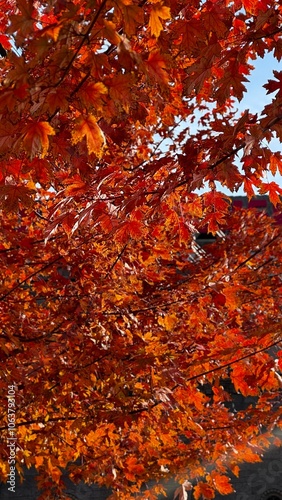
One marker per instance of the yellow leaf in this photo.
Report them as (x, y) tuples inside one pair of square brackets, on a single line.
[(36, 138), (88, 128), (148, 336), (110, 32), (169, 321), (91, 438), (138, 385), (54, 31), (31, 437), (158, 12)]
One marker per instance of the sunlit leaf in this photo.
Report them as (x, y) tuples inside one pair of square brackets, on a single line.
[(36, 138), (86, 127)]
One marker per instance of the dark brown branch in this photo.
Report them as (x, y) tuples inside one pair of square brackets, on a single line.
[(257, 252), (116, 261), (36, 242), (234, 151), (243, 144), (84, 38), (267, 35), (140, 410), (3, 297), (42, 421), (230, 363), (41, 337)]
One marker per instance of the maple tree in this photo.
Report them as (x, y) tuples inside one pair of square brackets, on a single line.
[(121, 339)]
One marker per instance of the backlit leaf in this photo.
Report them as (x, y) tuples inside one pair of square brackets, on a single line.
[(157, 67), (11, 196), (36, 138), (158, 12), (222, 483), (203, 490), (274, 85), (274, 191), (86, 127)]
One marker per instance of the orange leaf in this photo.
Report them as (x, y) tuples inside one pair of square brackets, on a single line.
[(133, 468), (157, 67), (214, 220), (54, 471), (248, 186), (88, 128), (250, 6), (218, 201), (158, 12), (274, 190), (248, 455), (275, 163), (203, 490), (92, 94), (38, 461), (132, 14), (75, 186), (36, 139), (232, 299), (235, 469), (169, 321), (222, 483)]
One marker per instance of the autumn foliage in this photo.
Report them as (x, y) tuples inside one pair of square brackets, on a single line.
[(126, 341)]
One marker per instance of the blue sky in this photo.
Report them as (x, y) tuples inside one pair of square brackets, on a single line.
[(256, 98)]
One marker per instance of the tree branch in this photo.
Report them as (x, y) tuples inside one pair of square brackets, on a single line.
[(84, 38), (3, 297)]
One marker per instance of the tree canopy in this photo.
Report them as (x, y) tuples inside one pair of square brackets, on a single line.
[(123, 338)]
